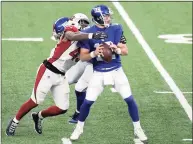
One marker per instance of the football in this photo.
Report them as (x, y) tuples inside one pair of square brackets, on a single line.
[(107, 52)]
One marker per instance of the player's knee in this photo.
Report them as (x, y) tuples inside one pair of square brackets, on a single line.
[(63, 106), (70, 81), (69, 78), (125, 91), (80, 87), (33, 99), (37, 100), (40, 100)]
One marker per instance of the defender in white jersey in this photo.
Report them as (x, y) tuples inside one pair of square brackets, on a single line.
[(51, 77), (76, 71), (81, 72)]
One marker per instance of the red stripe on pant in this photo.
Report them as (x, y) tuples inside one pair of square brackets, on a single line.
[(39, 75)]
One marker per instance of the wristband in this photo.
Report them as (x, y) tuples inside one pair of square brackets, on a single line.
[(92, 55), (90, 35)]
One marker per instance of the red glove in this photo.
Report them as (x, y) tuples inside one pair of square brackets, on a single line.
[(71, 28)]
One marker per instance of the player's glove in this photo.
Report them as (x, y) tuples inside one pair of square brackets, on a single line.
[(123, 39), (99, 35)]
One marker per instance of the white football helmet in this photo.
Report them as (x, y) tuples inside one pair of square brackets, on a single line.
[(82, 19), (73, 23)]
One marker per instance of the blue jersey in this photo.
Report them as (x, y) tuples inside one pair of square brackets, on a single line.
[(114, 32)]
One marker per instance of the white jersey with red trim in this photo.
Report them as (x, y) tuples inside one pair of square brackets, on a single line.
[(63, 55)]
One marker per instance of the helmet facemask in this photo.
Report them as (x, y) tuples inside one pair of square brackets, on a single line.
[(83, 23), (57, 35), (82, 19)]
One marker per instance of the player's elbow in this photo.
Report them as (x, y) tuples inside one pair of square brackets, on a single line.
[(84, 54), (70, 37), (82, 58)]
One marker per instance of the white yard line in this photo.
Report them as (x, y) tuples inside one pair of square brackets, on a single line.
[(52, 38), (22, 39), (113, 90), (165, 92), (186, 139), (154, 59)]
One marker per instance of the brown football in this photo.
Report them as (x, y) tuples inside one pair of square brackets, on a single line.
[(107, 52)]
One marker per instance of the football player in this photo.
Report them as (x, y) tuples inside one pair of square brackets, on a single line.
[(81, 72), (51, 77), (106, 73)]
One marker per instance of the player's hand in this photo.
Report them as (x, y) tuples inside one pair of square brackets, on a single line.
[(98, 51), (99, 35), (113, 47)]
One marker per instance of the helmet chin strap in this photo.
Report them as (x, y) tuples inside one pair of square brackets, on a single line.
[(106, 25)]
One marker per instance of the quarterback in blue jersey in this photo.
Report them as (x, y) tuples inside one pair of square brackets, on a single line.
[(106, 73), (75, 72)]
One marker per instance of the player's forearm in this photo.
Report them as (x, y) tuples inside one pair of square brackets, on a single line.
[(85, 57), (123, 48), (78, 36)]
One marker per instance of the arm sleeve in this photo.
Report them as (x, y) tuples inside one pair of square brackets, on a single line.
[(123, 39), (118, 34)]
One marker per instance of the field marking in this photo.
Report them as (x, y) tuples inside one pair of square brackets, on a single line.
[(137, 141), (184, 103), (113, 90), (186, 139), (165, 92), (177, 38), (22, 39), (53, 38)]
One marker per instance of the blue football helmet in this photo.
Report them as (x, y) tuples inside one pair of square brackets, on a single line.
[(58, 27), (99, 14)]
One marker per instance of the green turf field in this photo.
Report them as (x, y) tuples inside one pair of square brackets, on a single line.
[(162, 116)]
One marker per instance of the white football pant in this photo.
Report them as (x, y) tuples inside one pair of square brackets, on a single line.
[(47, 81), (117, 78), (80, 74)]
